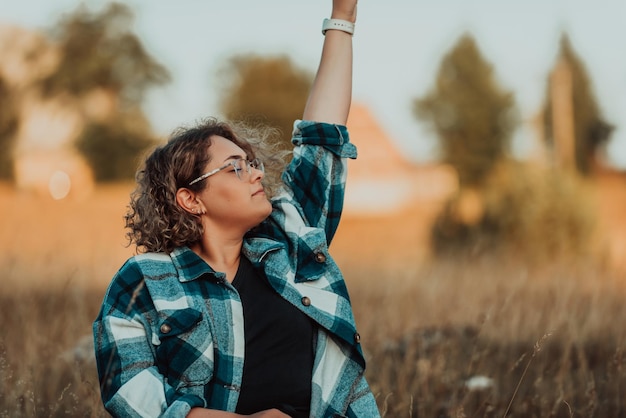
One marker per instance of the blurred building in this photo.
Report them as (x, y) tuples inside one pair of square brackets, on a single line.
[(381, 179), (45, 159)]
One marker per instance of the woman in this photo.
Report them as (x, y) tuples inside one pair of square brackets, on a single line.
[(236, 308)]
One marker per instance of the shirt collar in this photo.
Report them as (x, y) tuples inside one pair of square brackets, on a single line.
[(191, 266)]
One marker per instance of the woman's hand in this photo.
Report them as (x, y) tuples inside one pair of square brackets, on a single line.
[(270, 413), (210, 413), (345, 10)]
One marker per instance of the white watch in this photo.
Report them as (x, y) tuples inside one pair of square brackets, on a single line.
[(337, 24)]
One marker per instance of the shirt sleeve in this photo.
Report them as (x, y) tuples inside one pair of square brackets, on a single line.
[(130, 382), (316, 176)]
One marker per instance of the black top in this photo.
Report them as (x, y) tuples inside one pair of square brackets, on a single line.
[(278, 364)]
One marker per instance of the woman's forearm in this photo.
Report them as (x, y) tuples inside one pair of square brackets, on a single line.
[(331, 95)]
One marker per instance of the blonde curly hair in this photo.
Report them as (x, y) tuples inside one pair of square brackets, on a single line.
[(155, 221)]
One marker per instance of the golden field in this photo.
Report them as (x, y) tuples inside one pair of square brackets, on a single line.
[(470, 338)]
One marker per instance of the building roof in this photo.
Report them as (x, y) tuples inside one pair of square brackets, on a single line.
[(378, 156), (382, 180)]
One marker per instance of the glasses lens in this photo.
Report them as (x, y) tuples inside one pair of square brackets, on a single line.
[(242, 166), (257, 164), (239, 166)]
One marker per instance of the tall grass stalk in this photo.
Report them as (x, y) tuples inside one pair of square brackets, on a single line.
[(536, 349)]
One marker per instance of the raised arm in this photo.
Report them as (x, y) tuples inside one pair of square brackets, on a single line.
[(331, 94)]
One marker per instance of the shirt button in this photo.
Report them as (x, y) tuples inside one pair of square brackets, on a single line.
[(320, 257), (306, 301), (357, 338), (165, 328)]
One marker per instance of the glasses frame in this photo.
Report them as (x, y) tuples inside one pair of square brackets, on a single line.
[(255, 163)]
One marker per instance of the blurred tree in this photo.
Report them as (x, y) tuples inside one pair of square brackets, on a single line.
[(472, 116), (589, 129), (99, 50), (268, 90), (103, 62), (530, 213), (503, 207), (8, 128), (128, 131)]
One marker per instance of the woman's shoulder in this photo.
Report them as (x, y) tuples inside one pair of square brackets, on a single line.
[(133, 276), (140, 266)]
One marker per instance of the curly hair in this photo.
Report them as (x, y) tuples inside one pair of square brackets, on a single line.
[(155, 221)]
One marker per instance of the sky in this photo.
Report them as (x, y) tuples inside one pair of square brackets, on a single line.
[(398, 46)]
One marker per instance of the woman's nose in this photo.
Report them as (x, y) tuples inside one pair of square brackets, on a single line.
[(256, 174)]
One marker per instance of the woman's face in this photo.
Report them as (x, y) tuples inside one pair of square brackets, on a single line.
[(231, 200)]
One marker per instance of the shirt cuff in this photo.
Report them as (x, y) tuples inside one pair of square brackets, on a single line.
[(333, 137), (182, 406)]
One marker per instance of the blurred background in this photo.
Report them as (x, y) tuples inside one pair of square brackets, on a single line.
[(483, 235)]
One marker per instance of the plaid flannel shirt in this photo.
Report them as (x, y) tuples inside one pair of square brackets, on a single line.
[(169, 335)]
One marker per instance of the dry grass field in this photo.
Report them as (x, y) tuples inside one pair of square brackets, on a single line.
[(469, 338)]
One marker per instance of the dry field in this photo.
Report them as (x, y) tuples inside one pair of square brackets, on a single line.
[(473, 338)]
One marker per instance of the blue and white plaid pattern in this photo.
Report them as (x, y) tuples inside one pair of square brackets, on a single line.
[(170, 332)]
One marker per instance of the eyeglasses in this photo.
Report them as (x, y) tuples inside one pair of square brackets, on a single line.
[(239, 166)]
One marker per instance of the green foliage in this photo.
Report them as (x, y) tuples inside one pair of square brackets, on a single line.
[(99, 50), (502, 207), (268, 90), (528, 212), (8, 127), (472, 116), (591, 131), (113, 149)]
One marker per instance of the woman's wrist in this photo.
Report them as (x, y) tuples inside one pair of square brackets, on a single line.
[(343, 16), (344, 10), (337, 24), (339, 16)]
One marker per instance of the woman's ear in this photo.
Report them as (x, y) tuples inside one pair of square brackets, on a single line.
[(187, 200)]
